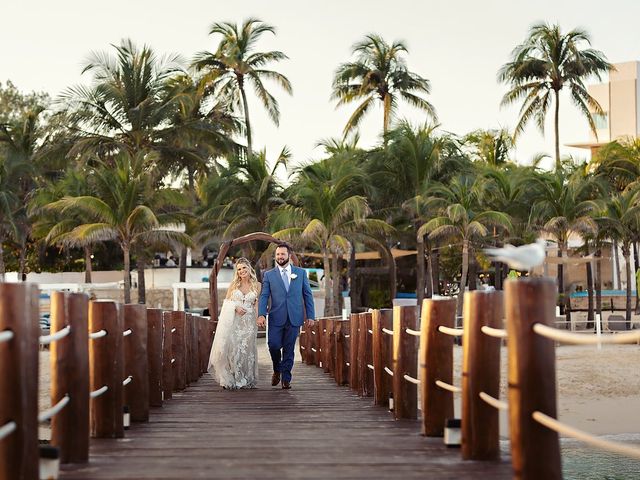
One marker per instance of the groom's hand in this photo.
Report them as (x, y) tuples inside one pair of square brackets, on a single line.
[(261, 321)]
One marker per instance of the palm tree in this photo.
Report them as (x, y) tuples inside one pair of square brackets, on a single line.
[(545, 63), (235, 63), (621, 217), (462, 217), (379, 73), (120, 211), (327, 212), (489, 146)]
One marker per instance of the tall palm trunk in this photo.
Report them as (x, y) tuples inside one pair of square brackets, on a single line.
[(245, 108), (335, 276), (598, 254), (434, 267), (142, 284), (636, 263), (328, 298), (2, 265), (626, 251), (616, 259), (88, 268), (429, 272), (463, 277), (23, 259), (560, 277), (589, 290), (391, 262), (420, 274), (183, 273), (127, 272), (355, 299), (557, 128), (386, 113)]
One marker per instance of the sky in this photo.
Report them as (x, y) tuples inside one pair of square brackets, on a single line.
[(458, 45)]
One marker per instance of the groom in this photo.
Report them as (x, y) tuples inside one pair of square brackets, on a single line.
[(288, 289)]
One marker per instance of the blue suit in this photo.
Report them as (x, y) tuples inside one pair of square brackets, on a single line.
[(286, 314)]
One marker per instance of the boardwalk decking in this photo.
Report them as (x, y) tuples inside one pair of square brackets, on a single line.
[(315, 430)]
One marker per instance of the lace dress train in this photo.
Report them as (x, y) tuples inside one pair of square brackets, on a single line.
[(233, 360)]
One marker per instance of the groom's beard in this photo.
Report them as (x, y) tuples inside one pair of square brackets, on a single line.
[(282, 263)]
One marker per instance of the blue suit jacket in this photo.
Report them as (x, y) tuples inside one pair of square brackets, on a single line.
[(291, 304)]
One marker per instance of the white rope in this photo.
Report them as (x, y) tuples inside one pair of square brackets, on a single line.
[(127, 332), (494, 402), (494, 332), (302, 331), (98, 334), (415, 333), (60, 334), (370, 331), (388, 332), (313, 349), (303, 347), (347, 364), (8, 428), (5, 336), (448, 386), (454, 332), (173, 330), (313, 332), (100, 391), (48, 414), (556, 426), (412, 380), (173, 360), (324, 330), (582, 339), (388, 371), (347, 336), (370, 367), (127, 381)]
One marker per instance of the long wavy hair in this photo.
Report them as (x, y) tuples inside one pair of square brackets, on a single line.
[(235, 282)]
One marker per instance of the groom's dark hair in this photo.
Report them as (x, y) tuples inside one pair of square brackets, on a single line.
[(285, 245)]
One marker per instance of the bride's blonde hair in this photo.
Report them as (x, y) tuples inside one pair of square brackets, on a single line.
[(235, 283)]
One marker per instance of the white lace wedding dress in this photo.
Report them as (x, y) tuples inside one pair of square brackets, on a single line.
[(233, 360)]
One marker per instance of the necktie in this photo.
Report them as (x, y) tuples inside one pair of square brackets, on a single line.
[(285, 279)]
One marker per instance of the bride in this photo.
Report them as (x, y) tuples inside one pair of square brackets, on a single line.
[(233, 361)]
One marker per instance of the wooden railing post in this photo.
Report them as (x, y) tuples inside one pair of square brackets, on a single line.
[(535, 449), (436, 363), (19, 380), (323, 342), (203, 347), (167, 355), (136, 393), (354, 353), (329, 345), (70, 376), (340, 368), (179, 350), (481, 373), (382, 347), (106, 363), (365, 351), (188, 352), (154, 355), (405, 362)]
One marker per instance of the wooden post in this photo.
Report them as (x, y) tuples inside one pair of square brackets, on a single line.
[(535, 449), (167, 364), (195, 320), (106, 361), (481, 373), (436, 363), (365, 355), (329, 345), (136, 393), (323, 341), (154, 355), (302, 342), (405, 362), (382, 351), (70, 376), (340, 368), (354, 354), (188, 353), (203, 344), (19, 381), (314, 346), (178, 350)]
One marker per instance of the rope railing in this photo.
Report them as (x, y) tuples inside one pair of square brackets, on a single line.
[(561, 428), (6, 335), (494, 332), (369, 331), (98, 392), (98, 334), (409, 378), (53, 411), (313, 350), (581, 339), (494, 402), (453, 332), (387, 331), (127, 381), (7, 429), (370, 367), (59, 335), (390, 372), (173, 330), (415, 333), (127, 332), (448, 386), (313, 332)]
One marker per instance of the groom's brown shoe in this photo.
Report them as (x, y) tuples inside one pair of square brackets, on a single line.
[(275, 379), (286, 385)]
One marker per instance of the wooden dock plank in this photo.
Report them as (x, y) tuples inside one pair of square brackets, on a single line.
[(315, 430)]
